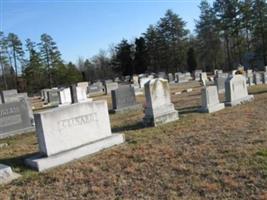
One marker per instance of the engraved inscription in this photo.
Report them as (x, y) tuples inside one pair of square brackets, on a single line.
[(10, 120), (77, 121)]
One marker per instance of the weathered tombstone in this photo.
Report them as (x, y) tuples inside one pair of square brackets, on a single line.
[(210, 100), (7, 93), (257, 78), (65, 96), (70, 132), (6, 174), (220, 82), (197, 74), (123, 99), (14, 119), (83, 85), (135, 81), (111, 86), (188, 76), (96, 90), (181, 78), (170, 78), (264, 77), (236, 91), (81, 94), (203, 77), (73, 93), (159, 109), (53, 97)]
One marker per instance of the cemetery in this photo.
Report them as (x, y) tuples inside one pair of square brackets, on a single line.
[(79, 136), (133, 100)]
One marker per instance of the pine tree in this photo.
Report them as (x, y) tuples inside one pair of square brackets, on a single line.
[(140, 56)]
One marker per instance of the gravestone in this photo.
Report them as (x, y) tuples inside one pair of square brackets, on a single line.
[(170, 78), (53, 97), (210, 100), (136, 81), (188, 76), (6, 174), (236, 91), (257, 78), (14, 119), (83, 85), (123, 99), (159, 109), (162, 75), (220, 82), (143, 81), (65, 96), (70, 132), (96, 90), (73, 93), (81, 94), (181, 78), (264, 77), (203, 78), (5, 94), (197, 74), (111, 86)]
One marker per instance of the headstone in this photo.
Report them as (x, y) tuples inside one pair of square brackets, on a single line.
[(170, 78), (7, 93), (220, 82), (53, 97), (181, 78), (236, 91), (81, 94), (143, 81), (162, 75), (210, 100), (71, 132), (265, 68), (6, 174), (203, 78), (111, 86), (123, 99), (264, 76), (73, 92), (197, 74), (83, 85), (65, 96), (14, 119), (188, 76), (96, 90), (257, 78), (159, 109)]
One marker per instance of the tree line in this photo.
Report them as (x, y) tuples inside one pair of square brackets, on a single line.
[(227, 33)]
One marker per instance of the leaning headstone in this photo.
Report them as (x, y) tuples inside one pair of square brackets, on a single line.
[(236, 91), (14, 119), (111, 86), (159, 109), (6, 174), (71, 132), (257, 78), (210, 100), (123, 99)]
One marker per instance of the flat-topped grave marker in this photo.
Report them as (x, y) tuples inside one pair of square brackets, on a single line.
[(71, 132)]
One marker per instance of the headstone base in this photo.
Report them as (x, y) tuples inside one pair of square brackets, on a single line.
[(162, 119), (41, 163), (240, 101), (17, 132), (213, 108), (6, 174), (128, 108)]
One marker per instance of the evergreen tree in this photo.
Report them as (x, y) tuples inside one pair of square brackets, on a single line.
[(3, 58), (191, 60), (140, 56)]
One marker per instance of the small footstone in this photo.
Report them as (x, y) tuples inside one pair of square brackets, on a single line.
[(6, 174)]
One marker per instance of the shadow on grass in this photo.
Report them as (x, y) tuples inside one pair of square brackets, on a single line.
[(17, 162), (129, 127), (258, 92), (187, 110)]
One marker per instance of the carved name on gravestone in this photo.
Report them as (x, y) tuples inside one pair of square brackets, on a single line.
[(159, 109), (210, 100), (71, 132), (236, 91), (14, 119), (123, 99)]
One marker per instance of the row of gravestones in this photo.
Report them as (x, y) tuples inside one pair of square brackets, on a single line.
[(68, 133)]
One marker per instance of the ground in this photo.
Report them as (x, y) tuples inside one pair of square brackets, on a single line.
[(201, 156)]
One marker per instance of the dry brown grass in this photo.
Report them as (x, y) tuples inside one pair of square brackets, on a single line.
[(201, 156)]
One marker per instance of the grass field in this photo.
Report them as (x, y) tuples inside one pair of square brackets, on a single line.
[(201, 156)]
